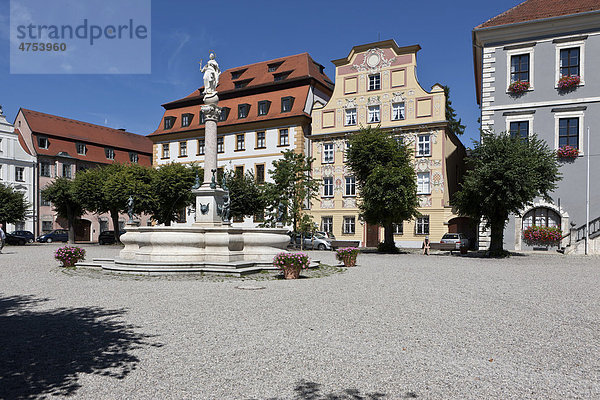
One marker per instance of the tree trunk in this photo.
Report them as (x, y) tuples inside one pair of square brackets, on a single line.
[(114, 215), (497, 237), (388, 236), (168, 223), (70, 226)]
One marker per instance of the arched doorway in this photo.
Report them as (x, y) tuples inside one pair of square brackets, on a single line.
[(541, 216), (83, 228)]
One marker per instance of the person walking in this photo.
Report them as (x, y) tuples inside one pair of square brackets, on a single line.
[(2, 239), (426, 246)]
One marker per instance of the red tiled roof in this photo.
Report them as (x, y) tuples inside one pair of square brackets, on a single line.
[(22, 141), (299, 93), (74, 130), (531, 10), (299, 66)]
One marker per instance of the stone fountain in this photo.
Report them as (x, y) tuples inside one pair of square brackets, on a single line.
[(211, 244)]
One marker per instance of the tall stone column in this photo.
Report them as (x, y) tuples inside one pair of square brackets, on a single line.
[(211, 112)]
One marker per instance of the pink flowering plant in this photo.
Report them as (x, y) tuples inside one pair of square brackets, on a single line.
[(291, 263), (518, 87), (68, 256), (568, 82), (542, 235), (347, 255), (567, 152)]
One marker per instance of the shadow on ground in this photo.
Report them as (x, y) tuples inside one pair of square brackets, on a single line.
[(43, 351), (306, 390)]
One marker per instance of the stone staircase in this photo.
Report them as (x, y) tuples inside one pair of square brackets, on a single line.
[(574, 241)]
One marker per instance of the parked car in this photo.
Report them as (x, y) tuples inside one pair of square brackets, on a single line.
[(11, 238), (57, 235), (29, 237), (108, 237), (319, 241), (459, 239), (328, 235)]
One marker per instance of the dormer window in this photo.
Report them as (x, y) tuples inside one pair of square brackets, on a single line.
[(186, 119), (242, 84), (236, 74), (281, 76), (263, 107), (243, 110), (224, 113), (133, 157), (169, 122), (43, 142), (81, 148), (320, 67), (110, 153), (273, 66), (287, 103)]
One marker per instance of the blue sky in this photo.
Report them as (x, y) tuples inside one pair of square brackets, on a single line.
[(243, 32)]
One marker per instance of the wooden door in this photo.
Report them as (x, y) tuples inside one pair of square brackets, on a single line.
[(372, 235)]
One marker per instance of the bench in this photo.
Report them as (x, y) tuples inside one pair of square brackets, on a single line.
[(344, 243)]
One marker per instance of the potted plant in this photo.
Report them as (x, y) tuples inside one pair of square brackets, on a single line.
[(347, 256), (542, 236), (291, 264), (568, 153), (518, 87), (568, 82), (68, 256)]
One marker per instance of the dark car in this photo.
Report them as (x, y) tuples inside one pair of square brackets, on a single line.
[(108, 237), (29, 237), (15, 239), (57, 235)]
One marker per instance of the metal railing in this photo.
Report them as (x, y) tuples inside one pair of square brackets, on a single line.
[(594, 230)]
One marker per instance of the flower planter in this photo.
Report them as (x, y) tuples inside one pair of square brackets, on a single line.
[(347, 256), (567, 83), (567, 153), (518, 87), (68, 256), (291, 264), (542, 236)]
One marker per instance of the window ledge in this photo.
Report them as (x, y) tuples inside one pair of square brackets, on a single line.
[(199, 154), (348, 233), (283, 145), (165, 158), (422, 156), (349, 196), (182, 156), (240, 150), (260, 148), (327, 197)]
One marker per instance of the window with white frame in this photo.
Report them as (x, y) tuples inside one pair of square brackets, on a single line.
[(397, 111), (350, 116), (423, 183), (541, 216), (19, 174), (328, 153), (350, 186), (398, 228), (165, 150), (284, 137), (260, 140), (349, 225), (423, 145), (422, 225), (520, 66), (328, 187), (200, 147), (220, 144), (569, 130), (186, 120), (374, 114), (183, 149), (43, 142), (81, 148), (133, 157), (374, 82), (240, 143), (570, 60), (66, 170), (346, 148), (519, 129), (110, 153), (45, 169), (327, 224)]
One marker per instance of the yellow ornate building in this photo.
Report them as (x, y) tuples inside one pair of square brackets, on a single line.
[(376, 84)]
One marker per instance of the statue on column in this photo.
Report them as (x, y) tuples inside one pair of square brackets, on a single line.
[(211, 76)]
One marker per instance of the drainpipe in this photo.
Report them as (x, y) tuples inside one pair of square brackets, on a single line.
[(587, 199)]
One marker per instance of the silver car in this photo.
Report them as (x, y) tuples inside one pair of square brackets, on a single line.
[(457, 238), (317, 241)]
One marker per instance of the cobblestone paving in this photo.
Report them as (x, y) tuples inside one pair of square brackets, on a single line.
[(395, 326)]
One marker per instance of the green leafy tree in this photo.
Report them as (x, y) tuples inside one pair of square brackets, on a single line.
[(292, 187), (61, 192), (171, 190), (246, 195), (386, 179), (454, 126), (504, 175), (13, 206)]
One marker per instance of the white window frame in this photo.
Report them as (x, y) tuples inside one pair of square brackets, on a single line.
[(369, 82), (328, 187), (285, 142), (349, 222), (240, 145), (422, 179), (203, 146), (166, 151), (185, 120), (40, 138), (518, 52), (49, 169), (398, 231), (420, 222), (109, 152), (419, 154), (568, 45), (325, 225), (22, 174), (80, 146), (66, 168), (350, 117), (372, 112), (183, 148), (221, 144), (403, 111), (520, 118), (570, 114), (328, 153), (350, 181), (134, 157), (261, 143)]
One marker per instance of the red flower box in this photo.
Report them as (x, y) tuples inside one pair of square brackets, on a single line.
[(567, 153), (568, 82), (518, 87), (542, 236)]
